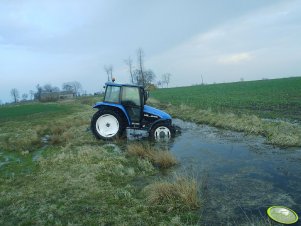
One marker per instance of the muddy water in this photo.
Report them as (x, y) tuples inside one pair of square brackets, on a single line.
[(241, 175)]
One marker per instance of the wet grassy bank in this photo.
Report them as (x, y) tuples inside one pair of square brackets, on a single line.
[(279, 133), (53, 172), (270, 108)]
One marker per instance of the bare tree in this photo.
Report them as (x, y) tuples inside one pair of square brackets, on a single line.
[(47, 88), (24, 96), (166, 78), (140, 56), (129, 63), (140, 75), (202, 79), (37, 95), (74, 86), (31, 93), (50, 88), (77, 87), (15, 94), (67, 86), (146, 80), (159, 84), (109, 70)]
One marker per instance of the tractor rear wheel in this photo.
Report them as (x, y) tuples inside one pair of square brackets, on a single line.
[(107, 124), (161, 131)]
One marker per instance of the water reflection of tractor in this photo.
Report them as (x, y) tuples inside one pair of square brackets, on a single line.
[(124, 109)]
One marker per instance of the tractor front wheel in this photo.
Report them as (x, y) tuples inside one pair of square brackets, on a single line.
[(107, 124), (162, 131)]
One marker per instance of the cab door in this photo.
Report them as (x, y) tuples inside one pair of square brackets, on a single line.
[(131, 101)]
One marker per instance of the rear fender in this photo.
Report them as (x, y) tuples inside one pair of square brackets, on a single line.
[(118, 107)]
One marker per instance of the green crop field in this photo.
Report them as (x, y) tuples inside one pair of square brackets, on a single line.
[(277, 98), (33, 110)]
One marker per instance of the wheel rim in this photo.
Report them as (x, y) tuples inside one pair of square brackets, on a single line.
[(162, 133), (107, 125)]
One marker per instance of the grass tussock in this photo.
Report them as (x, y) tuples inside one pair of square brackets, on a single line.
[(182, 193), (161, 158)]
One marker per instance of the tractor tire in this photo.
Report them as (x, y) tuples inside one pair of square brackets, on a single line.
[(162, 131), (107, 124)]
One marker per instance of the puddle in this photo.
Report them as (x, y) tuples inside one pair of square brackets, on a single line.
[(244, 176), (7, 158)]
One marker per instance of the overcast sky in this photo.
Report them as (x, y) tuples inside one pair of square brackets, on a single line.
[(57, 41)]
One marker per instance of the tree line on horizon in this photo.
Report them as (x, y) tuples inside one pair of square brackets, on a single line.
[(75, 87)]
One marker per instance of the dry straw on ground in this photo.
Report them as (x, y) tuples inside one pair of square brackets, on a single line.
[(183, 192), (161, 158)]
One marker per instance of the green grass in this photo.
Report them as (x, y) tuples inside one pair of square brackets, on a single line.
[(277, 98), (33, 110), (23, 126), (77, 180)]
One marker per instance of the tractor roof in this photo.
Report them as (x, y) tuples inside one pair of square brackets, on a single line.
[(116, 84)]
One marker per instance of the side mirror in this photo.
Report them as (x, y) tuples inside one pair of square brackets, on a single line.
[(146, 95)]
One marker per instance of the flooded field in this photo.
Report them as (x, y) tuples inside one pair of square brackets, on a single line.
[(241, 176)]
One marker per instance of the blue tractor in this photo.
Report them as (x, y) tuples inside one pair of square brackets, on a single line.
[(124, 109)]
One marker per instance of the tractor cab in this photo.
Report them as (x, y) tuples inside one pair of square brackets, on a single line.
[(131, 98), (124, 108)]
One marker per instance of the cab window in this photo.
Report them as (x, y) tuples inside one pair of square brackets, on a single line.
[(112, 94), (131, 96)]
